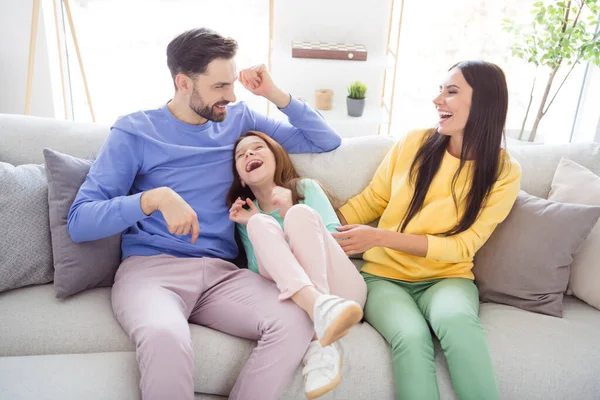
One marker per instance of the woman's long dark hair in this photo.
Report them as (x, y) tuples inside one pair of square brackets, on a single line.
[(482, 143)]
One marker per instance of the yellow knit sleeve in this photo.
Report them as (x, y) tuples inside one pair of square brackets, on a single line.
[(463, 246)]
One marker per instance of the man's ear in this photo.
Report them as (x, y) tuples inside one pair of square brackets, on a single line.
[(184, 83)]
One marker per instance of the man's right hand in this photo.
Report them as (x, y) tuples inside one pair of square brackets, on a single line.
[(181, 219)]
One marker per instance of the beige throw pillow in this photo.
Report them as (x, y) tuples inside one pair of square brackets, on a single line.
[(573, 183)]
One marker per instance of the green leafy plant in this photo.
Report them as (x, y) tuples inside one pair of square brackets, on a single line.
[(561, 33), (357, 90)]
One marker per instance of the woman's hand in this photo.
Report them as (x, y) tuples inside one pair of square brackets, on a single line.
[(282, 199), (355, 239), (240, 215)]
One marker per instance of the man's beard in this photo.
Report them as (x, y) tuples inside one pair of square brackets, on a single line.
[(207, 111)]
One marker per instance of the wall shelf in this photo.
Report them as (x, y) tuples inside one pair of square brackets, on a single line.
[(284, 58), (376, 25)]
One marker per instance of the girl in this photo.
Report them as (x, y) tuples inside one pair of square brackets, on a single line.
[(439, 195), (284, 223)]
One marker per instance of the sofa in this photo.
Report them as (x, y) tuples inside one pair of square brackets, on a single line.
[(74, 348)]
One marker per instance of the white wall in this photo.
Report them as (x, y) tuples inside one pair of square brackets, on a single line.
[(333, 21), (15, 29)]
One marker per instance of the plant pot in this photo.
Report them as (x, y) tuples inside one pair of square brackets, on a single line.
[(355, 106), (324, 99)]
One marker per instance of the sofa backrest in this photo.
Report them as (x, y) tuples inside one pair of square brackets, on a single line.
[(539, 162), (23, 138), (345, 171)]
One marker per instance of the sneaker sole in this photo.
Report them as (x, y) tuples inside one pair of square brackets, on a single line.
[(327, 388), (341, 325)]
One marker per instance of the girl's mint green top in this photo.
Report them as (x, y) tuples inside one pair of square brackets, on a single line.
[(314, 197)]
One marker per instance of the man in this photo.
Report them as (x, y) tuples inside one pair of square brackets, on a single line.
[(161, 178)]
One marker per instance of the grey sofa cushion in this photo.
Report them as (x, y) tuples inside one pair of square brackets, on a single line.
[(70, 377), (525, 263), (573, 183), (78, 266), (25, 254), (535, 356), (35, 323), (91, 376)]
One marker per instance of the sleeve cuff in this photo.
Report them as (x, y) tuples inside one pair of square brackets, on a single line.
[(435, 247), (131, 209), (294, 109), (349, 214)]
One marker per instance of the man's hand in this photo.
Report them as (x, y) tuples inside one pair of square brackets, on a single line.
[(258, 81), (237, 212), (355, 239), (181, 219), (282, 198)]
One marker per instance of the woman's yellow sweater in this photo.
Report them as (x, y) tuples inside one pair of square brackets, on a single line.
[(388, 197)]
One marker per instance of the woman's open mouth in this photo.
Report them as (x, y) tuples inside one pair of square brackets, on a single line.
[(444, 116)]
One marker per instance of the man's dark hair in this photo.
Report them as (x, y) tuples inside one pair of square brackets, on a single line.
[(192, 51)]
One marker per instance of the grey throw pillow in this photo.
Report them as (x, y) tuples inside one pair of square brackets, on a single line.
[(78, 266), (525, 263), (25, 254)]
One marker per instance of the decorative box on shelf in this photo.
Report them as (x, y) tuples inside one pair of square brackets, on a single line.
[(329, 51)]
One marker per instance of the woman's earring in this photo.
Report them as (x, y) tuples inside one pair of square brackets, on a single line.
[(243, 184)]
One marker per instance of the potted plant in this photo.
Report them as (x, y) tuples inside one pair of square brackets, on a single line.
[(356, 99), (561, 33)]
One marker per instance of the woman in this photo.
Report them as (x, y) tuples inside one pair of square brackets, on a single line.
[(285, 225), (439, 195)]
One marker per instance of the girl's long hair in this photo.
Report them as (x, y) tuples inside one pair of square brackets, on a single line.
[(285, 173)]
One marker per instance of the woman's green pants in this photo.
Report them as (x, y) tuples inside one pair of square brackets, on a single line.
[(402, 312)]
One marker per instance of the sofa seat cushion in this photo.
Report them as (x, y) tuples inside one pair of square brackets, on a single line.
[(70, 377), (535, 356), (36, 323), (92, 376), (542, 357)]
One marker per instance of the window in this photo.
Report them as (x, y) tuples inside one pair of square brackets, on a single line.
[(123, 46), (438, 33)]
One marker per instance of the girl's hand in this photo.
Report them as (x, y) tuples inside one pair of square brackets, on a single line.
[(238, 214), (355, 239), (282, 199)]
